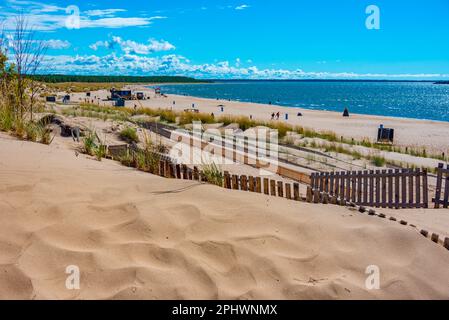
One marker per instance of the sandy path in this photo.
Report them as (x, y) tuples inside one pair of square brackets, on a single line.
[(134, 235)]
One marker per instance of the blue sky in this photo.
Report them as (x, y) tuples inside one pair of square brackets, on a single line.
[(241, 39)]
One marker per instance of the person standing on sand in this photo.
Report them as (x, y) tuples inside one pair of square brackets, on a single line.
[(75, 134), (278, 115), (272, 116)]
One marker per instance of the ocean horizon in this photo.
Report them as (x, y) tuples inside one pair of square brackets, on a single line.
[(423, 100)]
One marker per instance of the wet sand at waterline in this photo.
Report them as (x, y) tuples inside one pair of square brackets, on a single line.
[(136, 235)]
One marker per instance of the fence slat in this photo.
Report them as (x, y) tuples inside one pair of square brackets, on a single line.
[(439, 183), (446, 191), (377, 202), (404, 188), (296, 191), (196, 175), (258, 185), (390, 186), (321, 184), (410, 188), (359, 187), (342, 184), (273, 187), (365, 188), (244, 182), (354, 186), (337, 183), (227, 180), (425, 189), (384, 188), (418, 188), (348, 186), (288, 191), (396, 188), (178, 172), (235, 182), (266, 186), (184, 172), (251, 183), (280, 189), (331, 184)]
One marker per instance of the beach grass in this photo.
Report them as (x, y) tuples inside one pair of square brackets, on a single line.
[(182, 118), (129, 135)]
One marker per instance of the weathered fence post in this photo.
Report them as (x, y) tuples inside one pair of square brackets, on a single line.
[(251, 183), (425, 189), (418, 188), (235, 182), (309, 194), (195, 174), (266, 186), (273, 187), (296, 191), (161, 168), (288, 191), (243, 183), (178, 171), (280, 189), (184, 172), (258, 185), (172, 170), (439, 185), (227, 180), (316, 196)]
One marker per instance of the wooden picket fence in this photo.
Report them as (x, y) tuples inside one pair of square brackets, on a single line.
[(406, 188), (266, 186), (442, 197)]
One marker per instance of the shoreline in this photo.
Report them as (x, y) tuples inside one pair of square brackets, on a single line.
[(409, 132), (291, 106)]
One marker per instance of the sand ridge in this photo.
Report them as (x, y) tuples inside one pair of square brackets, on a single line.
[(138, 236)]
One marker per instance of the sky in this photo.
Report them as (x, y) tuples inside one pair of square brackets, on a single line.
[(244, 39)]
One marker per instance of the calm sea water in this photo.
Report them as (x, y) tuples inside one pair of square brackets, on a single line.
[(420, 100)]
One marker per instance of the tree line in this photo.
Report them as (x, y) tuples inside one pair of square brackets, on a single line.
[(58, 78)]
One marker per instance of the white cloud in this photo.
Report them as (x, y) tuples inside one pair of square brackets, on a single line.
[(57, 44), (132, 47), (134, 64), (45, 17), (242, 7), (102, 12)]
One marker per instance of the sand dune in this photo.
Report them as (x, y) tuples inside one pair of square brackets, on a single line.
[(138, 236)]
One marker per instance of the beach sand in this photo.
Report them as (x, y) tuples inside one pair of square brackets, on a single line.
[(136, 235), (433, 135)]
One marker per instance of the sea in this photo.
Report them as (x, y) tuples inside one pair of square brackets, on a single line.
[(418, 100)]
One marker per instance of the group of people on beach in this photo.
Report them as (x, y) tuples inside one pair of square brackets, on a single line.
[(275, 115)]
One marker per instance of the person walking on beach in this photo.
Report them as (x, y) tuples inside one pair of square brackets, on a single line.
[(272, 116), (278, 115), (75, 134)]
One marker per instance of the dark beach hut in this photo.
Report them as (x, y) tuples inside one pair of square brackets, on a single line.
[(346, 113)]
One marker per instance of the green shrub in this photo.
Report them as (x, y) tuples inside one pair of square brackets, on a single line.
[(89, 143), (129, 135), (378, 161), (6, 119), (213, 174), (32, 131), (100, 152)]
